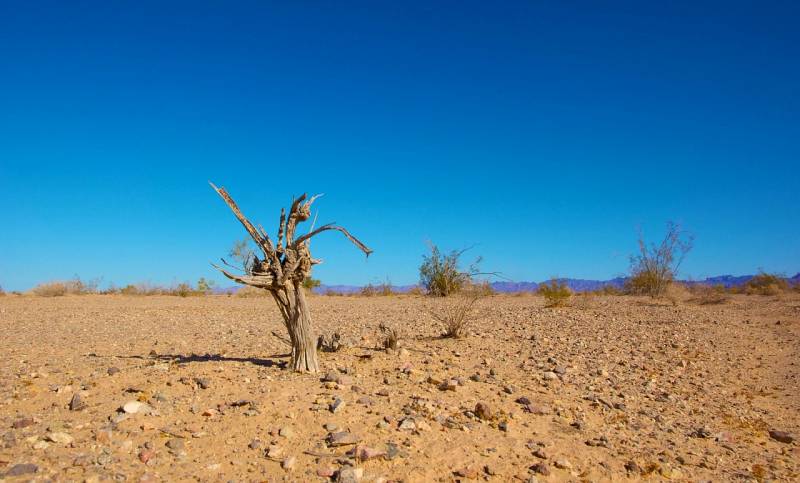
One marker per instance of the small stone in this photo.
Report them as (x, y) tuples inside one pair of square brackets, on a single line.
[(275, 452), (289, 463), (286, 432), (484, 411), (632, 467), (337, 405), (331, 427), (540, 468), (563, 463), (22, 469), (348, 474), (476, 378), (326, 471), (407, 424), (112, 370), (469, 472), (203, 382), (448, 385), (76, 403), (550, 376), (489, 470), (508, 390), (365, 453), (146, 455), (523, 400), (255, 444), (58, 437), (22, 423), (781, 436), (134, 407), (540, 453), (342, 438), (176, 444)]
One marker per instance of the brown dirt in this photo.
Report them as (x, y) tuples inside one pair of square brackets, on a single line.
[(685, 392)]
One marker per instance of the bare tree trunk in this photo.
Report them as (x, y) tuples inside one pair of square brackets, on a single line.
[(282, 270), (304, 344)]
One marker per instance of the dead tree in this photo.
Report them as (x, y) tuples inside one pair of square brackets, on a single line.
[(283, 268)]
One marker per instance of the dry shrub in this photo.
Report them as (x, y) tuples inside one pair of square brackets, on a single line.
[(608, 290), (391, 340), (654, 268), (584, 300), (703, 294), (556, 293), (59, 288), (382, 289), (416, 290), (676, 293), (458, 312), (248, 291), (766, 284)]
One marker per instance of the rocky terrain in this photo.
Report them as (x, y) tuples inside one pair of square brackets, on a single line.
[(99, 388)]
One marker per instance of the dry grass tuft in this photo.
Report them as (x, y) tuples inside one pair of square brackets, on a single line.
[(556, 293), (458, 312)]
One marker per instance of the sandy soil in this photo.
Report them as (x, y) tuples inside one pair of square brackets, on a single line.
[(618, 389)]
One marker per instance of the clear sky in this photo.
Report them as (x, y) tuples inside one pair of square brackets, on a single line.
[(543, 133)]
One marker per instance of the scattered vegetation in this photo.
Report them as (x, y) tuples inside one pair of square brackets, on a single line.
[(766, 284), (555, 292), (440, 275), (391, 337), (311, 283), (205, 286), (704, 294), (67, 287), (458, 312), (654, 268)]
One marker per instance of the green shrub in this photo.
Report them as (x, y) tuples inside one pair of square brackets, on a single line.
[(311, 283), (440, 275), (555, 292)]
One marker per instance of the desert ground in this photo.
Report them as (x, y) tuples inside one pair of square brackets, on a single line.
[(111, 387)]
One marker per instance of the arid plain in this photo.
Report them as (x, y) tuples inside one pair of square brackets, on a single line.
[(136, 388)]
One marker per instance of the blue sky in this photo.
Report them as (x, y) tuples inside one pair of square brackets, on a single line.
[(543, 133)]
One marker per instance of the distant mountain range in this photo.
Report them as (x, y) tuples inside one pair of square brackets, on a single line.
[(575, 284)]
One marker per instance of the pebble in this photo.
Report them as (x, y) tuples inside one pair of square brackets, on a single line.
[(563, 464), (134, 407), (255, 444), (112, 370), (342, 438), (286, 432), (76, 403), (781, 436), (469, 472), (176, 444), (348, 474), (59, 437), (289, 463), (22, 469), (407, 424), (540, 468), (203, 382), (22, 423), (484, 411), (550, 376), (337, 405)]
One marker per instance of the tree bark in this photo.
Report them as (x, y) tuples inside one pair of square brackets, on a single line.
[(301, 333)]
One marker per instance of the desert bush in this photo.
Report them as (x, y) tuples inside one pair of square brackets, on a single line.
[(608, 290), (391, 337), (205, 286), (458, 312), (654, 268), (247, 291), (556, 293), (59, 288), (382, 289), (766, 284), (440, 275), (416, 290), (676, 293), (183, 290), (704, 294), (311, 283)]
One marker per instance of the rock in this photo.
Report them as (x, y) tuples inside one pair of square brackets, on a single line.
[(202, 382), (58, 437), (632, 467), (484, 411), (448, 385), (146, 455), (22, 423), (503, 426), (337, 405), (781, 436), (366, 401), (331, 427), (274, 452), (176, 445), (76, 403), (21, 469), (703, 432), (540, 468), (342, 438), (392, 451), (489, 470), (540, 453), (289, 463), (476, 378), (112, 370), (286, 432), (407, 424), (550, 376), (326, 471), (563, 463), (469, 472), (348, 474), (135, 407), (255, 444), (539, 410), (523, 400), (365, 453)]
